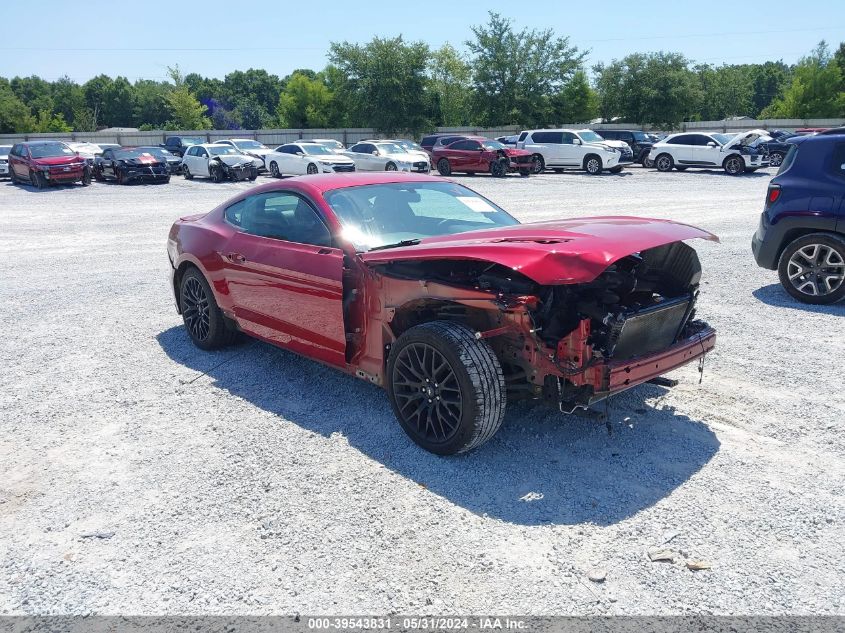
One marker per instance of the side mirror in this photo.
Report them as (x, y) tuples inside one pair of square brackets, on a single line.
[(376, 153), (576, 141), (300, 153), (712, 144)]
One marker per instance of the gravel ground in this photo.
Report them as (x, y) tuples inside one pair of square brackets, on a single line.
[(139, 475)]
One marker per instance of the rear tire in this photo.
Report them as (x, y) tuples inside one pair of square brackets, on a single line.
[(647, 162), (204, 321), (812, 263), (187, 173), (525, 173), (12, 176), (680, 168), (776, 159), (446, 387), (615, 170), (444, 168)]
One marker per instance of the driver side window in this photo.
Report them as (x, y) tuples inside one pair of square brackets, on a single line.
[(283, 216)]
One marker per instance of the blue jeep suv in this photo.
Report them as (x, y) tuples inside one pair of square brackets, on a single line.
[(802, 228)]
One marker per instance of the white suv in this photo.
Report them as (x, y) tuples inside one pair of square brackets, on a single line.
[(735, 153), (574, 149)]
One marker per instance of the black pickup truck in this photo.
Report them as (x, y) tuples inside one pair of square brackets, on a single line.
[(178, 144)]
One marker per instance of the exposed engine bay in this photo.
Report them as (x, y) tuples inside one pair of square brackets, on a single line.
[(559, 341)]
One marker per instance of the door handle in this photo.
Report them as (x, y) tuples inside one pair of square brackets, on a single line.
[(236, 258), (324, 251)]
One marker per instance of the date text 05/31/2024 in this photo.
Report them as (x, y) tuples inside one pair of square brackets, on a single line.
[(424, 623)]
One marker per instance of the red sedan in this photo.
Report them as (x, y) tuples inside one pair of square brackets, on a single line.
[(44, 163), (477, 154), (426, 288)]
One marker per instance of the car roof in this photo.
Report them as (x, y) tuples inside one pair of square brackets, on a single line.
[(44, 142), (321, 183)]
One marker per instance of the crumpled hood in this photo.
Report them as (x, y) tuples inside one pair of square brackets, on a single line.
[(58, 160), (746, 138), (513, 152), (234, 160), (555, 252), (616, 144)]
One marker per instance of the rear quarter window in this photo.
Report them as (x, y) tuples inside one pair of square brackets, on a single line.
[(837, 165), (789, 159)]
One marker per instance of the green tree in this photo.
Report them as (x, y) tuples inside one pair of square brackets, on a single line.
[(305, 102), (47, 122), (251, 96), (577, 102), (839, 59), (609, 82), (150, 105), (34, 92), (815, 90), (383, 83), (768, 81), (186, 113), (14, 113), (726, 91), (450, 84), (95, 90), (118, 103), (654, 88), (515, 73), (68, 97)]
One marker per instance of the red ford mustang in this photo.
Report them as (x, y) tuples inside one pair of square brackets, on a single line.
[(430, 290)]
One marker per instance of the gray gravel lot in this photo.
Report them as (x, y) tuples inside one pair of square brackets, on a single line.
[(139, 475)]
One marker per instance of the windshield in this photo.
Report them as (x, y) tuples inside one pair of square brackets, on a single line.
[(221, 150), (132, 153), (249, 145), (313, 149), (410, 145), (330, 143), (590, 137), (390, 148), (47, 150), (493, 146), (192, 140), (640, 137), (722, 138), (155, 151), (378, 215)]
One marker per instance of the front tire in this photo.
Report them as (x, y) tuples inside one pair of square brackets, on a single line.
[(734, 165), (647, 162), (446, 387), (311, 169), (203, 319), (390, 167), (498, 169), (664, 162), (187, 173), (538, 164), (812, 268), (444, 168), (86, 176), (37, 180), (592, 165), (274, 170)]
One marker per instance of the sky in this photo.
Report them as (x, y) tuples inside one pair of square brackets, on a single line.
[(216, 37)]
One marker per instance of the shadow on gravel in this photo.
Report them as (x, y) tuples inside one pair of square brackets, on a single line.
[(775, 295), (541, 468)]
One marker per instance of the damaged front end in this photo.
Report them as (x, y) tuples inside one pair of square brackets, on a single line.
[(572, 343), (633, 323)]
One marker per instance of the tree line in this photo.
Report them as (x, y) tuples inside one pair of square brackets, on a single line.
[(507, 76)]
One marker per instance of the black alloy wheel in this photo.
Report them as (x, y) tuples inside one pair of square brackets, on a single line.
[(775, 159), (203, 320), (734, 165), (498, 169), (390, 167), (538, 164), (274, 170), (444, 168), (446, 387), (311, 169)]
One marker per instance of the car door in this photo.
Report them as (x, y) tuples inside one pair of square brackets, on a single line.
[(106, 162), (567, 149), (285, 275), (707, 150), (684, 149), (460, 155), (362, 154), (15, 161), (200, 159)]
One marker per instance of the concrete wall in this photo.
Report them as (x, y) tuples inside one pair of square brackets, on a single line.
[(353, 135)]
